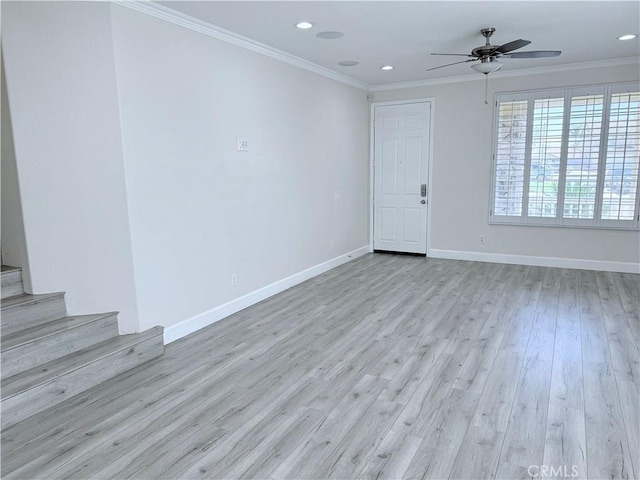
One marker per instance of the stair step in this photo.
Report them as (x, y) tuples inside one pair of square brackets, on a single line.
[(25, 311), (11, 281), (37, 389), (38, 345)]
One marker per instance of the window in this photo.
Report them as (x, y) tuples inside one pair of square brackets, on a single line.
[(568, 157)]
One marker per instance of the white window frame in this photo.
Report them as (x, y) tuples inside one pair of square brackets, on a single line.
[(567, 93)]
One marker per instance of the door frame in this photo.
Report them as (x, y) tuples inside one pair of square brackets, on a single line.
[(372, 146)]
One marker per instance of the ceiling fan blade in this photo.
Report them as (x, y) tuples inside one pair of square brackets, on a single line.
[(511, 46), (449, 64), (454, 54), (534, 54)]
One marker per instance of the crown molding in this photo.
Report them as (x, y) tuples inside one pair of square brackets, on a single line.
[(615, 62), (177, 18), (156, 10)]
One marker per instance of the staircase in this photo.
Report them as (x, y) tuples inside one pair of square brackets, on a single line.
[(48, 357)]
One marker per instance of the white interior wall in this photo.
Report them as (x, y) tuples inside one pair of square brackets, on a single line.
[(200, 210), (66, 128), (462, 174), (14, 251), (135, 198)]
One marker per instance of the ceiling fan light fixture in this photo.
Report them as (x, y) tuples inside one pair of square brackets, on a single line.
[(629, 36), (487, 67)]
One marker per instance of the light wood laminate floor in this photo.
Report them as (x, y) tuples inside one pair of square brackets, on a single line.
[(387, 367)]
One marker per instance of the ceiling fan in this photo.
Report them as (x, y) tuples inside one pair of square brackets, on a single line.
[(488, 54)]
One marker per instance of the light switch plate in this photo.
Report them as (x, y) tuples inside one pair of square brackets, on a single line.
[(243, 145)]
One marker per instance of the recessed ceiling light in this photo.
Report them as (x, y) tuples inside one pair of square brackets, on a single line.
[(329, 35), (304, 25), (387, 67), (348, 63), (627, 37)]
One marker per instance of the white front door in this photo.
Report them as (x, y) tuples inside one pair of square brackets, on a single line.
[(401, 160)]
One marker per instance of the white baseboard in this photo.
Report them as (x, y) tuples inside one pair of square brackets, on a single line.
[(190, 325), (577, 263)]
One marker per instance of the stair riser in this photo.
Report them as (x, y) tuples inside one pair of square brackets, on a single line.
[(11, 283), (41, 397), (38, 352), (21, 317)]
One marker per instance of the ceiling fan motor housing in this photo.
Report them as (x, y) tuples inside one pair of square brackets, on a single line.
[(489, 55), (487, 48), (484, 51)]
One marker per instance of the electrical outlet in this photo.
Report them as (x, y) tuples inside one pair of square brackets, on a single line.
[(481, 238), (243, 145), (234, 280)]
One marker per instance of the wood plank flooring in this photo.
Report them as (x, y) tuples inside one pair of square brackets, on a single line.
[(387, 367)]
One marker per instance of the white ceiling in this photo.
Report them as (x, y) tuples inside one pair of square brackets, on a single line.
[(403, 33)]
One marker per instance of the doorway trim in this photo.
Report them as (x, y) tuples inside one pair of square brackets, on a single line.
[(372, 144)]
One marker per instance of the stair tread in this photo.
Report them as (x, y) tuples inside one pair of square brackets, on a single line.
[(7, 268), (47, 372), (26, 298), (47, 329)]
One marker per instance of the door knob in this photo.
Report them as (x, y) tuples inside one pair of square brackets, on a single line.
[(423, 202)]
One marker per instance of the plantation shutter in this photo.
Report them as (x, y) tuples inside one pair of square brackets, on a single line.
[(583, 156), (510, 154), (620, 182), (568, 157)]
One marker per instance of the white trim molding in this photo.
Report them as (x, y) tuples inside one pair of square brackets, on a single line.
[(580, 264), (178, 18), (190, 325), (473, 77)]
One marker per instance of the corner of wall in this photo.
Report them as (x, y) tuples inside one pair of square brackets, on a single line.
[(70, 208), (14, 249)]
